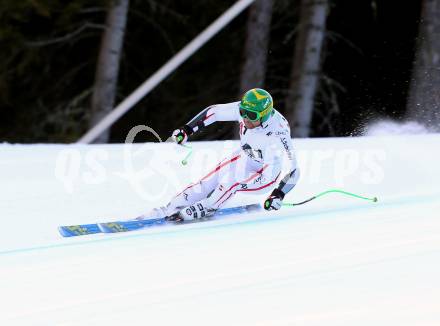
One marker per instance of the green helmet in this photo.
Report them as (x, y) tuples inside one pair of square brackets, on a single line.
[(256, 104)]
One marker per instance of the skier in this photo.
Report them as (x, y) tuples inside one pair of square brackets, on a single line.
[(256, 166)]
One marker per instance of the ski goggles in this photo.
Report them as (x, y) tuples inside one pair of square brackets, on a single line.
[(253, 115)]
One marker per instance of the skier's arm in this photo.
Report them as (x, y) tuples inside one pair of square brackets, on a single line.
[(213, 113), (288, 182)]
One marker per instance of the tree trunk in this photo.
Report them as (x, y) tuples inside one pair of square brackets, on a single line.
[(257, 41), (253, 70), (107, 70), (306, 66), (424, 96)]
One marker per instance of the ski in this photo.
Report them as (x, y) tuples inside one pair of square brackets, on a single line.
[(124, 226), (132, 225), (76, 230)]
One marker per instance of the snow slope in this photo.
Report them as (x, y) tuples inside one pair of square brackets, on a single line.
[(334, 261)]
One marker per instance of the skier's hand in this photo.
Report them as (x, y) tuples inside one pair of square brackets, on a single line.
[(274, 201), (180, 136)]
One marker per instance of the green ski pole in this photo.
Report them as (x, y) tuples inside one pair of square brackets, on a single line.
[(185, 160), (374, 199)]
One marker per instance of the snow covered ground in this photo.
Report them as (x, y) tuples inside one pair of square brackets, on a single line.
[(334, 261)]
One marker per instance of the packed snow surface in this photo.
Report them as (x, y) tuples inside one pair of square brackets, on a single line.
[(336, 260)]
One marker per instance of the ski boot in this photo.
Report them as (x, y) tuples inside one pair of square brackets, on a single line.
[(199, 210)]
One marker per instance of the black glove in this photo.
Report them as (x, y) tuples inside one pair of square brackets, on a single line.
[(274, 201), (180, 136)]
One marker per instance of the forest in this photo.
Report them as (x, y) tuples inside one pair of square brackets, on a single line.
[(332, 66)]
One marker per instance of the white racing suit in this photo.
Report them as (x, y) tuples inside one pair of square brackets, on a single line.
[(256, 167)]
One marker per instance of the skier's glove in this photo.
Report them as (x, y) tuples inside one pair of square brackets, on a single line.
[(274, 201), (180, 136)]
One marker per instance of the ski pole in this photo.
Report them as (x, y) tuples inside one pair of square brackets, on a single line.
[(374, 199), (185, 160)]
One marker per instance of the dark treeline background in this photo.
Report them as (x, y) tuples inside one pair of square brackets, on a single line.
[(49, 53)]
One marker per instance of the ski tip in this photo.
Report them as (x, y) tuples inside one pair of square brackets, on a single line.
[(64, 232)]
